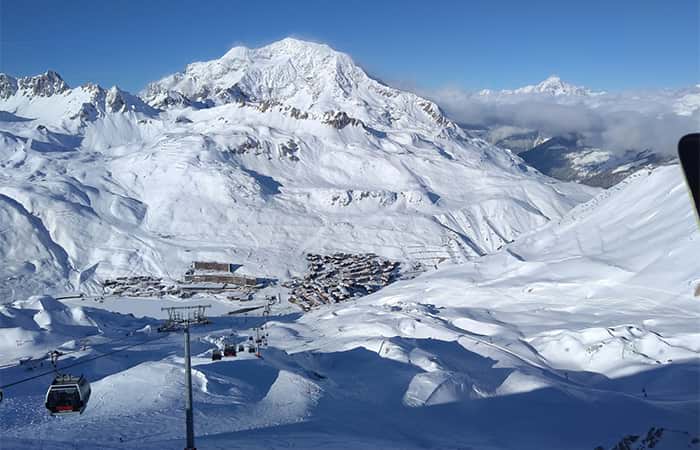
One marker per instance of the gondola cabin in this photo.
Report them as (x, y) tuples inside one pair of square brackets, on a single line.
[(230, 350), (68, 395), (216, 355)]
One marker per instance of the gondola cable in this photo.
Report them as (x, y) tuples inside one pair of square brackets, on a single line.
[(24, 380), (129, 334)]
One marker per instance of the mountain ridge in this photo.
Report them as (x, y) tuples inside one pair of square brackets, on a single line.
[(363, 166)]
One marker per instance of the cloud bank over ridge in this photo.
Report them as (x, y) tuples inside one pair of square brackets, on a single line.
[(618, 122)]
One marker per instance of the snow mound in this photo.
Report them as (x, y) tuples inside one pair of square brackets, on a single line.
[(31, 327)]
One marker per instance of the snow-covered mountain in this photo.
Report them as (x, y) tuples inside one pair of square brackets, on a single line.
[(48, 99), (311, 154), (303, 80), (552, 85)]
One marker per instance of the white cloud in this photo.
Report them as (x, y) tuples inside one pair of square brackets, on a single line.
[(617, 122)]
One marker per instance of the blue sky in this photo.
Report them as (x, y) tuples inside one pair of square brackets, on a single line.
[(603, 44)]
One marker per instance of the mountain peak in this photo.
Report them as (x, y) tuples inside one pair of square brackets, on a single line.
[(48, 97), (294, 45), (303, 78), (552, 81), (43, 85), (8, 86), (554, 85), (302, 74), (288, 45)]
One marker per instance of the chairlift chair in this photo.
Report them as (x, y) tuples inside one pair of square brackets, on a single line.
[(68, 394)]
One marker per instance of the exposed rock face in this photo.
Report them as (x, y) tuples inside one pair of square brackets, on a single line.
[(433, 111), (341, 120), (245, 147), (8, 86), (114, 101), (267, 105), (234, 94), (87, 113), (170, 99), (44, 85), (289, 150), (48, 97), (297, 114), (657, 437)]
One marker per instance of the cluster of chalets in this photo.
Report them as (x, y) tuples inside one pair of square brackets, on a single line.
[(210, 277), (339, 277), (139, 286)]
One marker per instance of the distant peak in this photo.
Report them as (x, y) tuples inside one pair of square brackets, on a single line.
[(43, 85), (553, 85), (552, 79), (8, 86)]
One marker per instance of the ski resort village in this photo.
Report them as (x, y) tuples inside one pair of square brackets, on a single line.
[(273, 249)]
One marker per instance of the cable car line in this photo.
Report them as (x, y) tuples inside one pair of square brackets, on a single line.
[(129, 334), (24, 380)]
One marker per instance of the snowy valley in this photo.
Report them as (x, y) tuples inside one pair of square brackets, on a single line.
[(515, 310)]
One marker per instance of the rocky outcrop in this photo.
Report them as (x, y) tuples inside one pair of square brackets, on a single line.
[(246, 147), (298, 114), (44, 85), (8, 86), (289, 150), (340, 120), (656, 437), (434, 112)]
